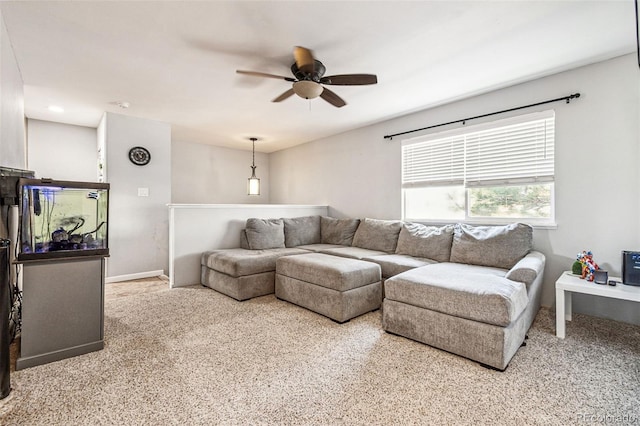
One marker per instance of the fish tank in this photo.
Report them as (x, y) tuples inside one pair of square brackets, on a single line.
[(63, 219)]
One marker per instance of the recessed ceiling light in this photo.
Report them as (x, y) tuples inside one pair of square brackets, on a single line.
[(56, 108)]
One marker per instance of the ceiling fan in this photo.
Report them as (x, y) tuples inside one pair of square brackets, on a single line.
[(309, 79)]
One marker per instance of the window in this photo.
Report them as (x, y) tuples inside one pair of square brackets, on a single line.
[(491, 173)]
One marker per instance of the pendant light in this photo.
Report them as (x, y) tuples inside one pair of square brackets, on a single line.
[(253, 184)]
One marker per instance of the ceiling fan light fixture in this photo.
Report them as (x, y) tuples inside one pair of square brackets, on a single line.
[(307, 89), (309, 79)]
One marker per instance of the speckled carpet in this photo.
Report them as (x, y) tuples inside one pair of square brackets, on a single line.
[(193, 356)]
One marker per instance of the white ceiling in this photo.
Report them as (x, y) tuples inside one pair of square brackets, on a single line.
[(175, 61)]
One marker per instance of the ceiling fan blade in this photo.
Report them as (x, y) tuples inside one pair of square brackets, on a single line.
[(304, 59), (350, 79), (284, 96), (264, 74), (332, 98)]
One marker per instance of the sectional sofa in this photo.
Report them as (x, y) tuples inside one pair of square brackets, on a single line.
[(470, 290)]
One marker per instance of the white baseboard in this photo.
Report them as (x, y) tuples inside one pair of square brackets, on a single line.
[(136, 276)]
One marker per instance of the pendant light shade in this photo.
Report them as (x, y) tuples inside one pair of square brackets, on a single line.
[(253, 183)]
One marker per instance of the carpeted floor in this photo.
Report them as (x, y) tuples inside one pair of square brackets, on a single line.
[(194, 356)]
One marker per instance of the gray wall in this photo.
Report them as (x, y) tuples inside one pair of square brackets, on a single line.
[(209, 174), (12, 127), (597, 155), (196, 173), (196, 228), (62, 151), (138, 226)]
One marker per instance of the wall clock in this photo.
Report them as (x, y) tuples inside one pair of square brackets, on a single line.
[(139, 156)]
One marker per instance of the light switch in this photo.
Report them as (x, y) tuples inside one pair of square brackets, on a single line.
[(143, 192)]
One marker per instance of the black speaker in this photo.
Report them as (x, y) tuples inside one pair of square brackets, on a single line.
[(631, 267), (600, 276)]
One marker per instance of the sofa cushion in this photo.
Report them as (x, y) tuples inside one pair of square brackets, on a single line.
[(375, 234), (244, 243), (498, 246), (394, 264), (336, 273), (301, 230), (240, 262), (352, 252), (466, 291), (265, 233), (337, 231), (430, 242), (319, 247)]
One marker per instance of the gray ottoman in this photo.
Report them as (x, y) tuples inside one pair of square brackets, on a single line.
[(242, 273), (337, 287), (472, 311)]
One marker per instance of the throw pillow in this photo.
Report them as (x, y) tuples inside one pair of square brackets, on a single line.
[(375, 234), (265, 233), (301, 230), (244, 242), (337, 231), (527, 269), (497, 246), (420, 240)]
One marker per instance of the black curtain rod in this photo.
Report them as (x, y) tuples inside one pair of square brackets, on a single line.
[(564, 98)]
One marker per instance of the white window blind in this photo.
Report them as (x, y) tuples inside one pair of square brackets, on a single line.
[(436, 162), (512, 151), (518, 153)]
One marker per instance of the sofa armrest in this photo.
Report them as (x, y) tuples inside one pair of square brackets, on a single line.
[(528, 268)]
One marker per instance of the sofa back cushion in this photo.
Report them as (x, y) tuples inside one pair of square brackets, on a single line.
[(420, 240), (337, 231), (265, 233), (375, 234), (497, 246), (303, 230), (244, 242)]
